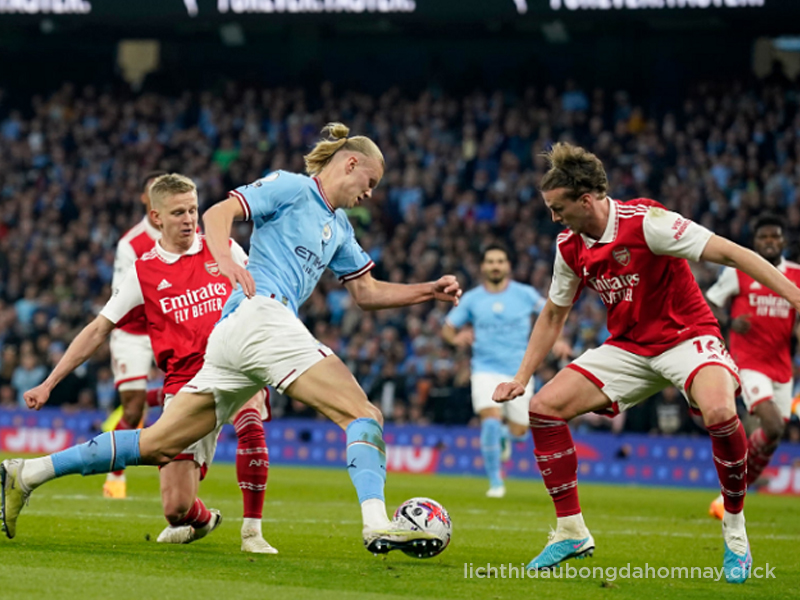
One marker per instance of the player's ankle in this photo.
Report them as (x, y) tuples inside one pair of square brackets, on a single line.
[(251, 527), (572, 525), (373, 513)]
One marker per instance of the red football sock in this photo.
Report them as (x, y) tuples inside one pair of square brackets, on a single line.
[(122, 425), (198, 516), (557, 461), (252, 461), (729, 446), (155, 397), (759, 453)]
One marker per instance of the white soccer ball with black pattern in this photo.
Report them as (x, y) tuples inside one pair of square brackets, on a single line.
[(426, 515)]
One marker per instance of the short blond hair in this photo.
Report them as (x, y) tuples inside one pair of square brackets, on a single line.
[(168, 185), (335, 139)]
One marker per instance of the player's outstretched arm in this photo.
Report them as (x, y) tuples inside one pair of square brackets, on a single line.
[(82, 347), (218, 220), (371, 294), (546, 331), (725, 252), (462, 338)]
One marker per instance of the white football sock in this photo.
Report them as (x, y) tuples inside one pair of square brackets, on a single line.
[(251, 527), (572, 527), (37, 471), (373, 512), (734, 532)]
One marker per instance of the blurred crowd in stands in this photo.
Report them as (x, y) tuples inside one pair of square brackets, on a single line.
[(460, 172)]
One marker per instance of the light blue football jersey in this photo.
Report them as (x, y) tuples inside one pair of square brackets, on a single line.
[(502, 325), (296, 235)]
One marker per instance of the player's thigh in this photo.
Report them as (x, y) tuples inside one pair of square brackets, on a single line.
[(568, 395), (131, 358), (202, 451), (606, 379), (180, 481), (703, 371), (713, 392), (330, 388), (188, 419)]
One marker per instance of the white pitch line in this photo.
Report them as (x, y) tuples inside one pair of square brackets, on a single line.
[(624, 532)]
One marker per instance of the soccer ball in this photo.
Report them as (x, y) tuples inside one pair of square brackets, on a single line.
[(427, 515)]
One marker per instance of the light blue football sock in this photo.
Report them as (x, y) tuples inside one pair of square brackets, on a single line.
[(491, 434), (366, 458), (110, 451)]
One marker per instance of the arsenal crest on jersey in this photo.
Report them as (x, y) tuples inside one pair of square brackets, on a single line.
[(212, 268), (622, 256)]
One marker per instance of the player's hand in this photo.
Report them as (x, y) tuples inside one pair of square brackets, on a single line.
[(37, 397), (562, 349), (741, 324), (446, 288), (464, 338), (508, 391), (238, 275)]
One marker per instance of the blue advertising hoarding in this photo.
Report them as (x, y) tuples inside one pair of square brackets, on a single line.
[(602, 457)]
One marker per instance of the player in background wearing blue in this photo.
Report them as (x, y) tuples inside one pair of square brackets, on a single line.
[(495, 319), (299, 231)]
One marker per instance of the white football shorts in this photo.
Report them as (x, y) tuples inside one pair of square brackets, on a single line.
[(261, 343), (131, 359), (483, 386), (758, 388), (628, 379)]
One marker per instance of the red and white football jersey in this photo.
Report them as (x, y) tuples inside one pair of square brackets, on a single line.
[(182, 296), (639, 269), (766, 347), (134, 244)]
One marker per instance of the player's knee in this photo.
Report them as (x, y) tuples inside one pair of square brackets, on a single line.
[(175, 510), (155, 453), (541, 405), (373, 412), (718, 413), (348, 409), (133, 402)]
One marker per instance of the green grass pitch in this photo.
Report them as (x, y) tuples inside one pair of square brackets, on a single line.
[(73, 544)]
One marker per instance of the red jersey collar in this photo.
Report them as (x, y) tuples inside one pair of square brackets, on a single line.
[(610, 233), (171, 257)]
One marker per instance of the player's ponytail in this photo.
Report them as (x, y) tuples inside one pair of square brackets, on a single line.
[(574, 168), (335, 138)]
